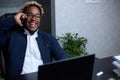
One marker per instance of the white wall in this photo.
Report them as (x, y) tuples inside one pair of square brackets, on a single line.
[(99, 23)]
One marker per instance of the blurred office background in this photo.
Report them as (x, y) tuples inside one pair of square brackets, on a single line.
[(96, 20)]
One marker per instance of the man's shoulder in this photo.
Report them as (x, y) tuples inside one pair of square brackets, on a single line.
[(44, 34)]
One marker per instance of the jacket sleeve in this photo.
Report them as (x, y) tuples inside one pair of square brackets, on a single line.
[(56, 49), (5, 25)]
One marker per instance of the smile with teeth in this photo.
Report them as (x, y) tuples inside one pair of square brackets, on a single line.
[(32, 24)]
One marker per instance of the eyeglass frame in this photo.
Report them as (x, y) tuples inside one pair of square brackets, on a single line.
[(30, 15)]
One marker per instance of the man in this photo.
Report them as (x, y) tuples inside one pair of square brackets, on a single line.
[(25, 45)]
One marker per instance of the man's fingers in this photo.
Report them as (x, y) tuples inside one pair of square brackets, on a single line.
[(18, 18), (20, 23), (24, 16)]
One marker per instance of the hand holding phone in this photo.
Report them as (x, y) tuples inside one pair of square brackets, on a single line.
[(20, 18)]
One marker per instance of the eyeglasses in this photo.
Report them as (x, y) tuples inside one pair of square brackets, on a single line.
[(30, 15)]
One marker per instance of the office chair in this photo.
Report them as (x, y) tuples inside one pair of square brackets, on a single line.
[(2, 65), (7, 15)]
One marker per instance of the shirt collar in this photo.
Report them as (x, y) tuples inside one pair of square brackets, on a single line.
[(27, 32)]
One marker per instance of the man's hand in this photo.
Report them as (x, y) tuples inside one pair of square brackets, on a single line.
[(18, 18)]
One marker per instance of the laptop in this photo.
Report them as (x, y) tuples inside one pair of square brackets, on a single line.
[(79, 68)]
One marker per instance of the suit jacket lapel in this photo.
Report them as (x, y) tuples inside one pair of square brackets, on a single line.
[(45, 54)]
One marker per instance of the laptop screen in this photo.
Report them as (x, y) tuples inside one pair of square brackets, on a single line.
[(79, 68)]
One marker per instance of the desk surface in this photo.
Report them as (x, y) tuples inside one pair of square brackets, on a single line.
[(104, 65)]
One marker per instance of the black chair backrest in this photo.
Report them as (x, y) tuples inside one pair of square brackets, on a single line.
[(7, 15), (2, 65)]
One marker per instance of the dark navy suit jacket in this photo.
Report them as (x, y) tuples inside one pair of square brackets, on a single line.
[(13, 42)]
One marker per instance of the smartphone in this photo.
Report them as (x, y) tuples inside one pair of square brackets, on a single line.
[(24, 21)]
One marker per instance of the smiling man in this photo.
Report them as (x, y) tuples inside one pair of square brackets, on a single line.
[(25, 46)]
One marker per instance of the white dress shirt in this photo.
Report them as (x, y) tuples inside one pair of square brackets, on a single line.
[(32, 56)]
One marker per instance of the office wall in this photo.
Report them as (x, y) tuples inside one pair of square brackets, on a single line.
[(99, 23), (11, 6)]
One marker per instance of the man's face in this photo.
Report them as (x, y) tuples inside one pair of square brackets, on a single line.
[(33, 18)]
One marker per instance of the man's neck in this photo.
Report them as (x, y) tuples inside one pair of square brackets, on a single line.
[(30, 32)]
